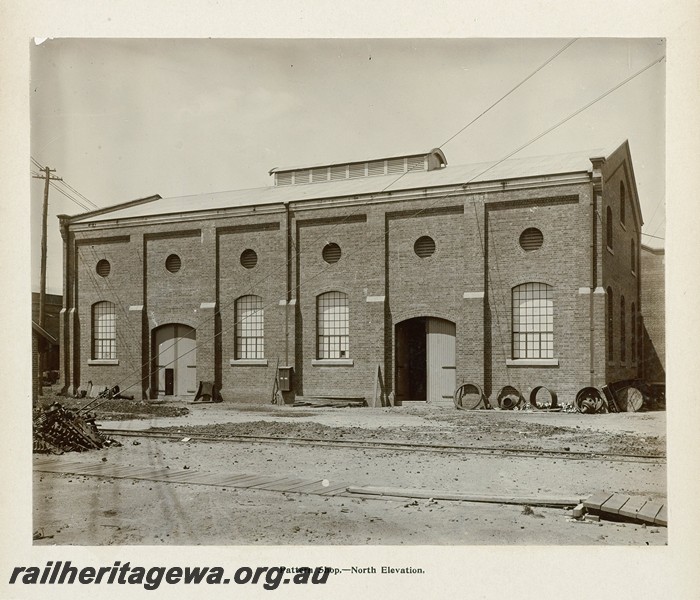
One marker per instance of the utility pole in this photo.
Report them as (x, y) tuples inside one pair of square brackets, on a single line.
[(47, 177)]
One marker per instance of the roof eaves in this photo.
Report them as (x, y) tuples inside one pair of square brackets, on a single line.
[(101, 211)]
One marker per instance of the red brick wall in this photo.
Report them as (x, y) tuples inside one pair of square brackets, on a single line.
[(617, 266), (477, 252), (653, 309)]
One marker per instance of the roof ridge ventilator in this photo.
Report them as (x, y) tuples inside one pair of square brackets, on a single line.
[(338, 171)]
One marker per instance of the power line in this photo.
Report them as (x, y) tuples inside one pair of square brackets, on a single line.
[(537, 70), (80, 204), (70, 187), (653, 236)]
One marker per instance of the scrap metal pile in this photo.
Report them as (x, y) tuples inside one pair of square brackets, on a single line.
[(57, 430)]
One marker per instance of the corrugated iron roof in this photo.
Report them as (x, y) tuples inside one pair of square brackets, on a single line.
[(514, 168)]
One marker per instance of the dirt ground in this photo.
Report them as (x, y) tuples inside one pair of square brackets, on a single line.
[(102, 511)]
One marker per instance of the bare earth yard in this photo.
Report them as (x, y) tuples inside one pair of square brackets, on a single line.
[(92, 510)]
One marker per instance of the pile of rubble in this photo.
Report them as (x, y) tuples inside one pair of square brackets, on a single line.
[(57, 429)]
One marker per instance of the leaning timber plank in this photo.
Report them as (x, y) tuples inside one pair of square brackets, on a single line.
[(613, 504), (597, 500), (662, 517), (649, 511), (464, 497), (631, 507)]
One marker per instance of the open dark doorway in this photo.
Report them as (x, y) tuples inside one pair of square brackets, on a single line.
[(425, 360), (411, 364)]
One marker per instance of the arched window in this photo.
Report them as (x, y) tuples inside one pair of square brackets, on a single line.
[(250, 340), (633, 319), (622, 202), (623, 341), (533, 321), (609, 228), (633, 256), (333, 325), (104, 331), (609, 298)]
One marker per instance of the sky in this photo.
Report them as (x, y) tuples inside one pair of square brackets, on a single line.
[(121, 119)]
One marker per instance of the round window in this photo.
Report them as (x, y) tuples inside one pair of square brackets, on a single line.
[(531, 239), (103, 268), (249, 258), (424, 246), (173, 263), (331, 253)]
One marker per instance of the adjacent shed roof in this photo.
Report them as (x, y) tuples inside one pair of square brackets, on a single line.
[(514, 168)]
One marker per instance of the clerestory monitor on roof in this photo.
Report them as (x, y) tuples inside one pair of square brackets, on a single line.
[(396, 165)]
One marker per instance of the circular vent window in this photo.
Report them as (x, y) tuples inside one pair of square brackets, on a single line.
[(331, 253), (103, 268), (424, 246), (531, 239), (173, 263), (249, 258)]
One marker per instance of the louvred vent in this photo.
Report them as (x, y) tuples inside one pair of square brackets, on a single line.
[(531, 239)]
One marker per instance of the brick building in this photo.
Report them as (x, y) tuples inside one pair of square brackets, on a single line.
[(523, 272), (654, 306), (45, 346)]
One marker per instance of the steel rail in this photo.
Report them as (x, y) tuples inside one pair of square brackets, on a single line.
[(392, 446)]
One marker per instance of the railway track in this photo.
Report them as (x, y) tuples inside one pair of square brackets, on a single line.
[(396, 446)]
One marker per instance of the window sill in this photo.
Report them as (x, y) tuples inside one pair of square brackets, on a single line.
[(610, 250), (623, 226), (248, 362), (634, 273), (332, 362), (532, 362), (102, 361)]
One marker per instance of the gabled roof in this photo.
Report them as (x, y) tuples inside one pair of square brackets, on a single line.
[(514, 168)]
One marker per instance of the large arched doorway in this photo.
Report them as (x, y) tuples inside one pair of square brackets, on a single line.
[(175, 360), (425, 359)]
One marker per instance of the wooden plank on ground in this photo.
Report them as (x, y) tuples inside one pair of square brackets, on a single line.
[(232, 479), (308, 484), (335, 488), (662, 517), (256, 481), (613, 504), (180, 476), (464, 497), (649, 511), (281, 485), (631, 507), (597, 500)]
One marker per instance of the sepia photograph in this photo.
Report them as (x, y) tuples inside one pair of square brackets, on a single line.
[(348, 292)]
